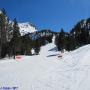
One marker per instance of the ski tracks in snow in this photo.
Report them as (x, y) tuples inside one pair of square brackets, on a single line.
[(71, 74), (48, 72)]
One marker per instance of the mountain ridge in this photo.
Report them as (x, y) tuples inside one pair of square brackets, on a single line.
[(26, 28)]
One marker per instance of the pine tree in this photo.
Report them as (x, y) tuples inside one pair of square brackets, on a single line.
[(3, 30), (70, 42), (16, 35), (61, 40), (37, 46), (27, 45)]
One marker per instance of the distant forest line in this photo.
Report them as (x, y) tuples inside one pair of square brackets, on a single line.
[(12, 43)]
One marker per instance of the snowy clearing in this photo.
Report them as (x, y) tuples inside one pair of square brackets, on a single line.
[(48, 72)]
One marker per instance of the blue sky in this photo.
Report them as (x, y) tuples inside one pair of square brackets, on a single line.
[(50, 14)]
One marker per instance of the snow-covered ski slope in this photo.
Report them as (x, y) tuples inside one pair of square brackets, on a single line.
[(48, 72)]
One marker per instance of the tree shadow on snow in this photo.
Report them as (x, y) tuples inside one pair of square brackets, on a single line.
[(52, 55), (53, 49)]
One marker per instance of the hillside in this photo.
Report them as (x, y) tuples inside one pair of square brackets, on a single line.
[(48, 72)]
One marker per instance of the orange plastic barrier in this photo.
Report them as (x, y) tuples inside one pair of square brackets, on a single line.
[(18, 58)]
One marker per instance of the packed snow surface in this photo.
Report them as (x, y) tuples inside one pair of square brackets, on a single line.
[(48, 72), (26, 28)]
